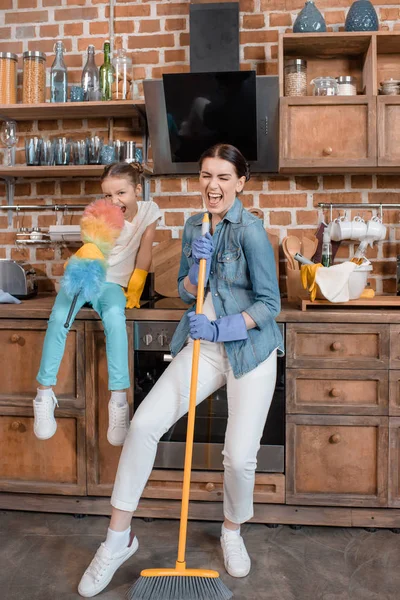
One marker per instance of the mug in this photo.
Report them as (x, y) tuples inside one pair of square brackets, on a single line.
[(358, 228), (375, 229)]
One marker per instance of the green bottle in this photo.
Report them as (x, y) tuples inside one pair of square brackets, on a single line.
[(106, 74)]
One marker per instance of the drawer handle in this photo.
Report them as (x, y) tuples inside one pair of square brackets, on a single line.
[(327, 151), (15, 338), (335, 392), (210, 487), (336, 346), (334, 439), (17, 426)]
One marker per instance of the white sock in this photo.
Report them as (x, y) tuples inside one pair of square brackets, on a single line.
[(43, 393), (117, 540), (119, 398), (224, 531)]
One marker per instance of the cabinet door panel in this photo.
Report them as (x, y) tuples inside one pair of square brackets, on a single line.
[(338, 461), (388, 131)]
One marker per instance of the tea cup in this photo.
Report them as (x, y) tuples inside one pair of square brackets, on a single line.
[(358, 228), (375, 229)]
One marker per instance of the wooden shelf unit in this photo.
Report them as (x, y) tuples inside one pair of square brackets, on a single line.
[(57, 171), (72, 110)]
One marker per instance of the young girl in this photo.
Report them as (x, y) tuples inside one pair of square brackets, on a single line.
[(240, 340), (128, 264)]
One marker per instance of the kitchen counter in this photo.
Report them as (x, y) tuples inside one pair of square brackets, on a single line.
[(40, 308)]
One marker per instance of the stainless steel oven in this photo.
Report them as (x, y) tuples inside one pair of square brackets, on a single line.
[(152, 358)]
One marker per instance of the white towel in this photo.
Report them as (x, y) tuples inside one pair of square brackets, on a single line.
[(6, 298), (334, 281)]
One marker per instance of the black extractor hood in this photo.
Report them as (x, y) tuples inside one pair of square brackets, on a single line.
[(215, 102)]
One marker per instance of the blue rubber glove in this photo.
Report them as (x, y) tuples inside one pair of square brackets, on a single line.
[(227, 329), (202, 247)]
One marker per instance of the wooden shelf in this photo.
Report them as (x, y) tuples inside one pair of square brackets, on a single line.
[(326, 44), (71, 110), (66, 171)]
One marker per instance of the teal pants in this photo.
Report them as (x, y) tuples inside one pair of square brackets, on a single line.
[(111, 308)]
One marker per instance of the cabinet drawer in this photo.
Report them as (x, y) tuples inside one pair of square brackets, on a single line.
[(306, 144), (329, 391), (337, 461), (395, 346), (54, 466), (21, 344), (209, 486), (332, 345)]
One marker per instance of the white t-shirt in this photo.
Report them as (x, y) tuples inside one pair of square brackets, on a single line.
[(121, 262)]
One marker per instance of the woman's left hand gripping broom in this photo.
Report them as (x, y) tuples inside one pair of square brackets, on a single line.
[(85, 272)]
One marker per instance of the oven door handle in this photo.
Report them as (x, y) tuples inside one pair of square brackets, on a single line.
[(167, 357)]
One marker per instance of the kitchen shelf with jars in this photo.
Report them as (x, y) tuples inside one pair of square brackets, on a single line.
[(104, 93), (339, 102)]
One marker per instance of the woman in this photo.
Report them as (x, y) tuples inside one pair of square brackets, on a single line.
[(238, 348)]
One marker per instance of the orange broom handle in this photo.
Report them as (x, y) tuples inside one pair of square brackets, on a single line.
[(192, 413)]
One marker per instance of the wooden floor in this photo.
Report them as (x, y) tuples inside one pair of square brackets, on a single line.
[(42, 557)]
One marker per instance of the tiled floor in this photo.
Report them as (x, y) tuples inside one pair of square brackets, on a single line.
[(43, 556)]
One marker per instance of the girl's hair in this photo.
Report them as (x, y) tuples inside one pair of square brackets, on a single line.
[(232, 155), (131, 171)]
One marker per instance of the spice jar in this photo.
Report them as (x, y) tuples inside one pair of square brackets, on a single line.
[(325, 86), (347, 85), (8, 78), (121, 87), (34, 79), (296, 77), (390, 87)]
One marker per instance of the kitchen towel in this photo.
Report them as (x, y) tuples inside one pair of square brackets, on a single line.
[(334, 281), (6, 298)]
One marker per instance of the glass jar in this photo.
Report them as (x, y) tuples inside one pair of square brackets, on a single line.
[(347, 85), (121, 87), (34, 77), (296, 77), (325, 86), (8, 78), (390, 87)]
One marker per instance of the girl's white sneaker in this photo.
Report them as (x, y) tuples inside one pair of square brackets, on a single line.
[(45, 425)]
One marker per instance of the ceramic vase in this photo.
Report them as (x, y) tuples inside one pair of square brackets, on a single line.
[(362, 17), (309, 20)]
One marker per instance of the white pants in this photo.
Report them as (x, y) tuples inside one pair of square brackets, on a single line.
[(249, 399)]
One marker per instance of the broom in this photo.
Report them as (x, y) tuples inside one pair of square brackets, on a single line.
[(85, 272), (182, 583)]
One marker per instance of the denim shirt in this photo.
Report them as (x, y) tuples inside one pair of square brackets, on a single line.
[(242, 278)]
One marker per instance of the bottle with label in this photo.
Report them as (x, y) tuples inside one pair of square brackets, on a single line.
[(326, 255), (90, 76), (106, 74), (58, 76)]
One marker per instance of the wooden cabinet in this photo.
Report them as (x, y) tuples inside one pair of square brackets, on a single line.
[(337, 461), (21, 344), (54, 466), (394, 462), (324, 133), (344, 391), (388, 110), (336, 345)]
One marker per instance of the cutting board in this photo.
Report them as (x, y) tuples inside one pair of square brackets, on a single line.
[(166, 259)]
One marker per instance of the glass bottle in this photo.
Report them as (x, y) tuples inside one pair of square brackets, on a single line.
[(326, 254), (90, 76), (106, 74), (58, 76), (121, 89)]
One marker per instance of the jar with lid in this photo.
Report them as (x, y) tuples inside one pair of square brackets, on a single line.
[(325, 86), (346, 85), (121, 87), (296, 77), (8, 78), (390, 87), (34, 77)]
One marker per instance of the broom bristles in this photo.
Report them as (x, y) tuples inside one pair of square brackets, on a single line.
[(179, 588)]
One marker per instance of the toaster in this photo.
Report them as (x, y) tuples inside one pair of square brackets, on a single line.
[(18, 278)]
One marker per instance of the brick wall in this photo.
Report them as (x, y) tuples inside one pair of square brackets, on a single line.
[(157, 36)]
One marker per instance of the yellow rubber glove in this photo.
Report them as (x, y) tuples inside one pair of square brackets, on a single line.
[(308, 273), (135, 288), (88, 250), (368, 293)]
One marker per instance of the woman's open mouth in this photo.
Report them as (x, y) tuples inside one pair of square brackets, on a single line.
[(214, 199)]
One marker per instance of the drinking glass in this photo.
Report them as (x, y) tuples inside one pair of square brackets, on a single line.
[(80, 152), (94, 146), (62, 151), (47, 153), (32, 151), (108, 154), (8, 135)]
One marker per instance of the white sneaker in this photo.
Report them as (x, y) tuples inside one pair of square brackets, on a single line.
[(236, 559), (45, 424), (118, 423), (102, 568)]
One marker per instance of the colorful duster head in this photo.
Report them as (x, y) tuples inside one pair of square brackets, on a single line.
[(85, 273)]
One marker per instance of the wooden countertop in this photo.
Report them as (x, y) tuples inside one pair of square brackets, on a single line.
[(40, 308)]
